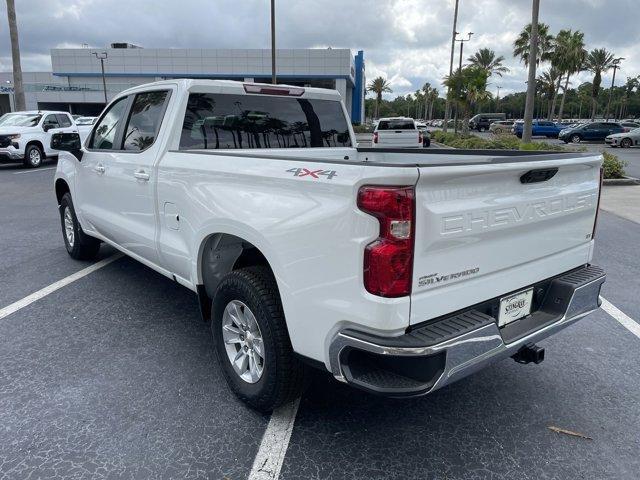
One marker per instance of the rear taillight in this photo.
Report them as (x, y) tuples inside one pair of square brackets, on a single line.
[(419, 137), (388, 260), (595, 221), (375, 137)]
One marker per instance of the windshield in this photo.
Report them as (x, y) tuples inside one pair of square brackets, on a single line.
[(20, 120)]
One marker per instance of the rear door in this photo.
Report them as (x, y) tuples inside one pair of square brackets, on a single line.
[(481, 232)]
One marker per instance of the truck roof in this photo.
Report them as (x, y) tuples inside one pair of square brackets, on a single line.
[(233, 87)]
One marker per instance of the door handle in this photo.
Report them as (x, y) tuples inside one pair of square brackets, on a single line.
[(141, 175), (99, 168)]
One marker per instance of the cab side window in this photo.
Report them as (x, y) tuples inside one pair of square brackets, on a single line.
[(50, 121), (104, 133), (144, 120), (63, 120)]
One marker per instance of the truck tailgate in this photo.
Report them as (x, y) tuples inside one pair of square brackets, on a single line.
[(486, 230), (399, 138)]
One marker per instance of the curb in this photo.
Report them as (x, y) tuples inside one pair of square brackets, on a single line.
[(621, 181)]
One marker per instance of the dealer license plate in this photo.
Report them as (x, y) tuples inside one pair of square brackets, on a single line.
[(515, 307)]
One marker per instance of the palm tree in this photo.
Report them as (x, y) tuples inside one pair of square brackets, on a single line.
[(571, 46), (467, 87), (598, 61), (633, 83), (486, 58), (378, 85), (18, 88), (545, 47), (547, 82)]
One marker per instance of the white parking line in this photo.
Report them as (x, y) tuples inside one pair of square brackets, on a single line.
[(35, 296), (34, 170), (274, 444), (626, 321)]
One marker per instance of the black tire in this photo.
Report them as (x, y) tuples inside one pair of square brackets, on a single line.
[(576, 138), (82, 246), (33, 156), (626, 143), (282, 376), (481, 129)]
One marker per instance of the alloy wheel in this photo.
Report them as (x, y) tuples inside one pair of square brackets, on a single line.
[(243, 341), (69, 231)]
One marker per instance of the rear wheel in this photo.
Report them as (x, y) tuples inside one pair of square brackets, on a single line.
[(625, 143), (33, 156), (79, 245), (251, 339)]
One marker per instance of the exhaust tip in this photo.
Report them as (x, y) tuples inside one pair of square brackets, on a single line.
[(529, 353)]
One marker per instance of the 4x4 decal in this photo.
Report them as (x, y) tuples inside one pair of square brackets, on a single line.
[(303, 172)]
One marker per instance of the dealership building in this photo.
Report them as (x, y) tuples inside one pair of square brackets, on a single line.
[(75, 83)]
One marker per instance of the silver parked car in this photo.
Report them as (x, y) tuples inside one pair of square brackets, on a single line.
[(624, 139), (501, 126)]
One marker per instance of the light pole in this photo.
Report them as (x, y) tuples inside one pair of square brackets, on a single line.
[(616, 65), (273, 42), (102, 57), (462, 42), (498, 87), (447, 105)]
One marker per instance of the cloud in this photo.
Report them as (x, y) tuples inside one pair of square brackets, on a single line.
[(407, 41)]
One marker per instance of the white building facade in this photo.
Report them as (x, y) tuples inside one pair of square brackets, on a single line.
[(75, 83)]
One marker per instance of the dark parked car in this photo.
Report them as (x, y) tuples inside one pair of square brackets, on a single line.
[(539, 128), (590, 131)]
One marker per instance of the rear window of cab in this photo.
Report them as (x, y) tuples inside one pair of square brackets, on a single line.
[(396, 125), (227, 121)]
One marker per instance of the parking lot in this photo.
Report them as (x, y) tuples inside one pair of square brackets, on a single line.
[(113, 375)]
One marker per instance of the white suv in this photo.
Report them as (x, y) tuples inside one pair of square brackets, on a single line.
[(26, 136)]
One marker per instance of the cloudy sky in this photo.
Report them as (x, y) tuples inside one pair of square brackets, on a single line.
[(407, 41)]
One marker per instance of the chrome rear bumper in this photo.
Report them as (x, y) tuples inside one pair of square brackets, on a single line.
[(447, 349)]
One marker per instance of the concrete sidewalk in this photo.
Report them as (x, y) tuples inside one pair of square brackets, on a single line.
[(623, 201)]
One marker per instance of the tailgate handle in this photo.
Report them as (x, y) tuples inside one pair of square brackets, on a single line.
[(536, 176)]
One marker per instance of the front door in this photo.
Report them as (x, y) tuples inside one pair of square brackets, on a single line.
[(92, 188)]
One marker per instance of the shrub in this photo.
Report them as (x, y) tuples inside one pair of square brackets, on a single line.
[(363, 128), (613, 167)]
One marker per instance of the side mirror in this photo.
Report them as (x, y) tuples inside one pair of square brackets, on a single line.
[(67, 142)]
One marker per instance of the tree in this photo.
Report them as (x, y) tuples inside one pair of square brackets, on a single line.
[(570, 47), (430, 96), (378, 85), (486, 58), (18, 88), (633, 83), (467, 87), (534, 54), (547, 82), (544, 47), (598, 61)]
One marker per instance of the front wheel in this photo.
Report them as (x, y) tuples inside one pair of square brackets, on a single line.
[(575, 139), (252, 341), (481, 129), (33, 156), (79, 245)]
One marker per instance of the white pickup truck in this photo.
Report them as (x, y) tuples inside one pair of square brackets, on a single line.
[(26, 136), (399, 271), (398, 132)]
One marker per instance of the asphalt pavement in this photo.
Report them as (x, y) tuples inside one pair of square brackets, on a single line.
[(114, 376)]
